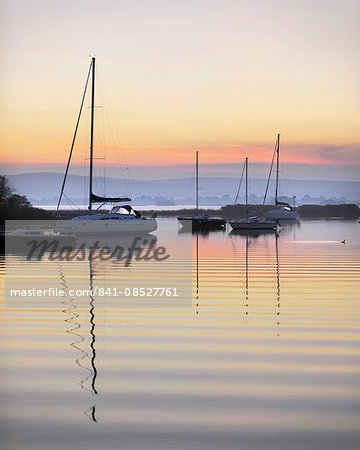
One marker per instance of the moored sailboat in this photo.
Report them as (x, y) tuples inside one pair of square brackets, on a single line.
[(285, 211), (201, 222), (251, 223), (122, 218)]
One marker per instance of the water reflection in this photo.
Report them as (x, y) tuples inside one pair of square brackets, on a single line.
[(92, 331), (90, 413), (277, 273), (197, 273), (253, 238), (71, 307), (174, 379), (144, 242), (251, 233), (204, 233)]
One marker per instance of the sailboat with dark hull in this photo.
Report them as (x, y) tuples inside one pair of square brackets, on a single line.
[(121, 218), (200, 222)]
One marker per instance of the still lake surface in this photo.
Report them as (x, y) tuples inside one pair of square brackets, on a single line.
[(267, 355)]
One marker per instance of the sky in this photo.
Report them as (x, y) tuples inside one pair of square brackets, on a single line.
[(222, 77)]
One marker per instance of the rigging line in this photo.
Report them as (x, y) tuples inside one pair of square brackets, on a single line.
[(284, 180), (102, 165), (241, 178), (110, 118), (74, 137), (71, 202), (101, 89), (86, 143), (106, 185), (111, 190), (129, 181), (268, 180), (114, 131)]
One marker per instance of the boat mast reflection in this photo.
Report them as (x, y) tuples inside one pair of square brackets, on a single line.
[(70, 308), (90, 413), (277, 275), (247, 275), (92, 331), (90, 382), (247, 235), (197, 273)]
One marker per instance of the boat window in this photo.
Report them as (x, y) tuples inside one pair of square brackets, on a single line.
[(122, 210)]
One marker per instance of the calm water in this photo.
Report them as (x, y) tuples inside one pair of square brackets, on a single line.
[(267, 356)]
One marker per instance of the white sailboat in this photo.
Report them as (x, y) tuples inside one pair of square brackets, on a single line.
[(285, 211), (251, 223), (122, 218)]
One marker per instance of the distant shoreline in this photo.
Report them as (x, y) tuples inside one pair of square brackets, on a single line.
[(344, 211)]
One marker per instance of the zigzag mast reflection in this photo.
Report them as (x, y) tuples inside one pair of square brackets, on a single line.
[(147, 243), (70, 309), (92, 331)]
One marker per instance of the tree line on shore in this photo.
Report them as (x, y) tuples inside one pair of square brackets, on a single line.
[(17, 207), (345, 211)]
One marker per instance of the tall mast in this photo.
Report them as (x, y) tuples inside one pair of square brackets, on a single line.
[(246, 181), (92, 130), (277, 169), (197, 182)]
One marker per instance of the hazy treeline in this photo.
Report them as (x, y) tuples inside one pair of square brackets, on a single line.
[(346, 211), (17, 207)]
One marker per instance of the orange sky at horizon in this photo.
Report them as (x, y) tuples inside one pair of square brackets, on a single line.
[(221, 77), (216, 154)]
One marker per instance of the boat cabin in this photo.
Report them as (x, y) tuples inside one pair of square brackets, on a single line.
[(116, 213), (124, 209)]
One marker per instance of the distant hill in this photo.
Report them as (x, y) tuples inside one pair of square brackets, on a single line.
[(44, 187)]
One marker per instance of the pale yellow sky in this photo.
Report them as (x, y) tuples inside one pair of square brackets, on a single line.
[(217, 75)]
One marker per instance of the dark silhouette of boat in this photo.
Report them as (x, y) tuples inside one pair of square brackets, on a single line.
[(201, 222)]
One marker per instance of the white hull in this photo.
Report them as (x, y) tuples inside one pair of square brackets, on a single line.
[(113, 227), (278, 214), (243, 225)]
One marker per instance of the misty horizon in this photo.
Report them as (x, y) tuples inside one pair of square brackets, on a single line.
[(44, 188)]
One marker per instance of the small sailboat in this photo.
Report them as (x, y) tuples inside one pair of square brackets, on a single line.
[(121, 218), (201, 222), (285, 211), (251, 223)]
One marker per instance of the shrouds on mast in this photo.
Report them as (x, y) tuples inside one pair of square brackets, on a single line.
[(92, 197)]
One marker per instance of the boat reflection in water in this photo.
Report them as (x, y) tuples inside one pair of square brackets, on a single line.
[(251, 237), (200, 232), (85, 335), (253, 233)]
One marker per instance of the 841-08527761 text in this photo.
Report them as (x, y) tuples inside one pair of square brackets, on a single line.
[(101, 292)]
